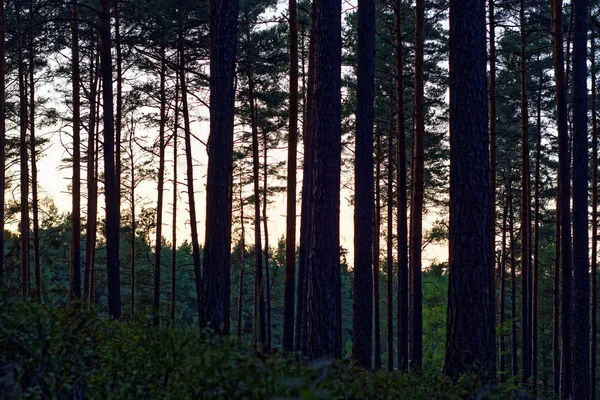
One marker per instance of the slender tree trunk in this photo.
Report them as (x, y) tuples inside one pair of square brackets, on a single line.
[(110, 181), (34, 180), (581, 272), (556, 298), (536, 244), (301, 306), (259, 333), (190, 178), (402, 228), (161, 185), (324, 339), (514, 369), (290, 236), (416, 211), (133, 225), (594, 294), (96, 175), (174, 223), (25, 269), (266, 247), (217, 252), (362, 316), (376, 251), (119, 99), (92, 185), (471, 323), (75, 292), (525, 208), (564, 172), (502, 299), (390, 240), (2, 138), (243, 266), (493, 117)]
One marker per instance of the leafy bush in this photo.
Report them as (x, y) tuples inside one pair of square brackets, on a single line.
[(68, 353)]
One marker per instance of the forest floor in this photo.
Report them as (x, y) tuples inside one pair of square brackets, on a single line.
[(72, 354)]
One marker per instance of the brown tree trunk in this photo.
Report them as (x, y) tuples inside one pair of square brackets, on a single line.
[(416, 211), (25, 269), (266, 247), (92, 185), (390, 240), (564, 172), (161, 185), (110, 181), (34, 180), (525, 208), (514, 368), (402, 228), (502, 294), (133, 225), (290, 235), (217, 251), (362, 316), (243, 266), (376, 251), (492, 57), (324, 337), (190, 178), (471, 323), (174, 223), (119, 99), (75, 292), (581, 272), (306, 191)]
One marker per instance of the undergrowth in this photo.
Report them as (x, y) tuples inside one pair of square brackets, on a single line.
[(48, 353)]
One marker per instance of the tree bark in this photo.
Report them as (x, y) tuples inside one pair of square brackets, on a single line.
[(110, 181), (34, 180), (471, 324), (160, 189), (514, 368), (243, 266), (119, 99), (362, 315), (502, 294), (390, 240), (594, 288), (564, 172), (416, 211), (174, 223), (376, 251), (266, 246), (323, 323), (493, 117), (402, 228), (581, 273), (290, 235), (217, 251)]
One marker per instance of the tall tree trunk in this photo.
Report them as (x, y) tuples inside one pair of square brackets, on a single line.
[(471, 322), (92, 184), (324, 339), (502, 294), (390, 240), (581, 273), (416, 211), (34, 180), (133, 225), (362, 315), (243, 262), (536, 244), (266, 247), (25, 269), (76, 183), (564, 172), (190, 178), (174, 223), (119, 99), (514, 368), (161, 186), (301, 306), (525, 208), (594, 294), (110, 181), (290, 234), (556, 298), (402, 228), (217, 251), (2, 138), (492, 56), (259, 331), (376, 250)]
